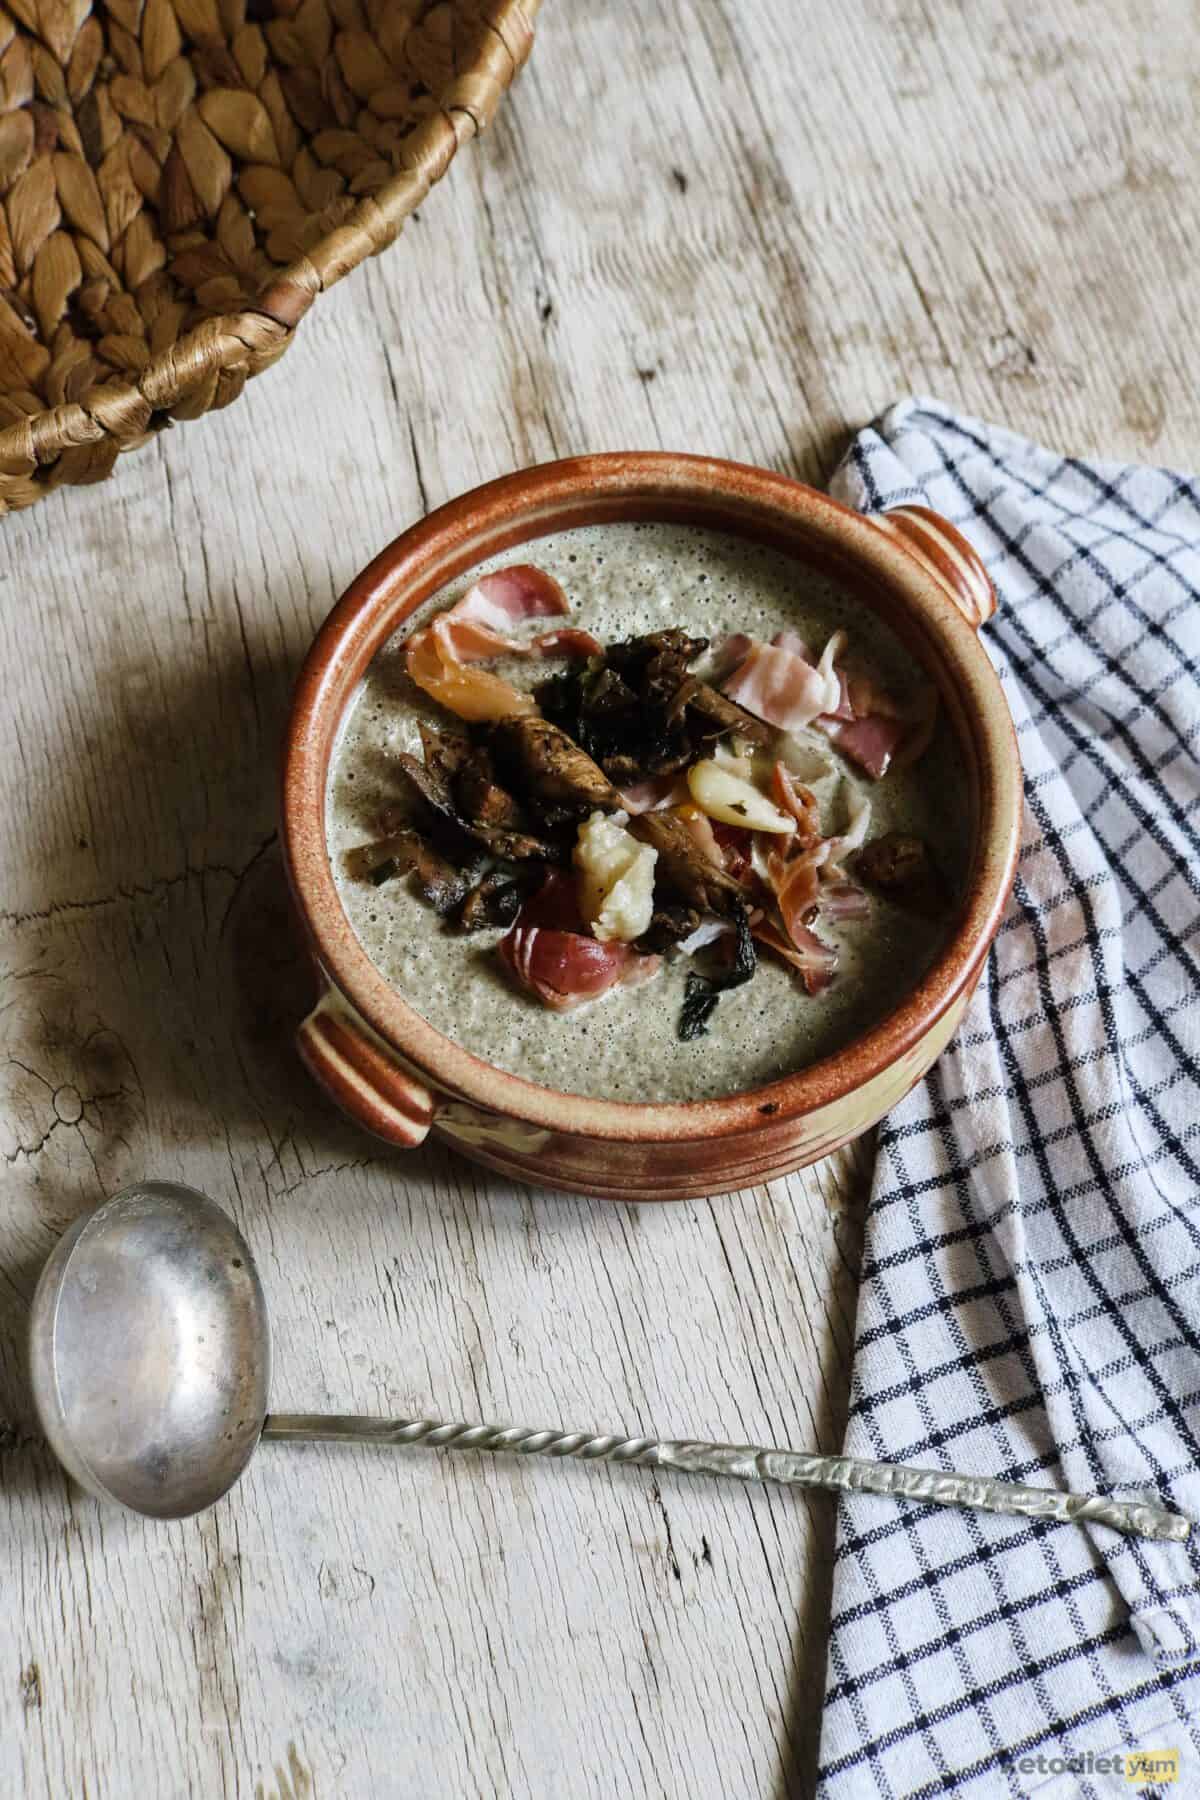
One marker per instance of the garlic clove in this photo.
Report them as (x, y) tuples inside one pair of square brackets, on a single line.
[(725, 791)]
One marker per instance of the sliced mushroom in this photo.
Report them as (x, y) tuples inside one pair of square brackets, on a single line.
[(670, 924), (720, 715), (445, 751), (496, 900), (548, 766), (406, 852), (456, 833), (480, 798), (683, 868), (668, 651), (902, 869)]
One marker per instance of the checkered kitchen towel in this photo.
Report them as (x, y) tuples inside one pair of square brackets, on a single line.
[(1030, 1302)]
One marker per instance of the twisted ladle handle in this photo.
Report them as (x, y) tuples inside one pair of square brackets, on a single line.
[(744, 1462)]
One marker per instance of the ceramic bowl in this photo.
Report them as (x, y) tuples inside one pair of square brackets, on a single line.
[(401, 1079)]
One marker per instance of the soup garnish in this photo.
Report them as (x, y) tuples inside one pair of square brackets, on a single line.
[(654, 799)]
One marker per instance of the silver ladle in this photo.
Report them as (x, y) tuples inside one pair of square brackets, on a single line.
[(150, 1356)]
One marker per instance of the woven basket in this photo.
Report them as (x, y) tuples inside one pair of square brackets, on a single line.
[(180, 179)]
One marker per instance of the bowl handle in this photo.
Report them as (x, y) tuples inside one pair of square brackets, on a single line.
[(361, 1074), (944, 553)]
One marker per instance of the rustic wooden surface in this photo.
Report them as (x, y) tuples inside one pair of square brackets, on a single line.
[(719, 224)]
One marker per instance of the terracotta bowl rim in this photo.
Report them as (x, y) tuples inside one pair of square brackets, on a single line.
[(464, 532)]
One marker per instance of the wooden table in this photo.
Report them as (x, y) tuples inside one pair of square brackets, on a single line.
[(742, 228)]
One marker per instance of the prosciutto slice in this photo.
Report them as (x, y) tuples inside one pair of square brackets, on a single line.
[(841, 900), (796, 881), (736, 847), (791, 796), (779, 683), (569, 640), (564, 969), (653, 795), (872, 742), (852, 838), (812, 958), (548, 953), (477, 628), (701, 828), (480, 625), (469, 693), (875, 730), (510, 596), (726, 656), (806, 876)]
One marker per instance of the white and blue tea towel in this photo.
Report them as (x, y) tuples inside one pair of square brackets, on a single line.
[(1030, 1302)]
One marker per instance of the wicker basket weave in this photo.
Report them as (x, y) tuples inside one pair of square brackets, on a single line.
[(181, 178)]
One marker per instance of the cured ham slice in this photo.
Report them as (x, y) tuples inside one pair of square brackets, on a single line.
[(875, 730), (510, 596), (791, 796), (780, 683), (653, 795), (809, 880), (480, 625), (852, 838), (469, 693), (872, 742), (569, 640), (796, 881), (842, 900), (477, 628), (781, 686), (812, 958), (470, 642), (466, 641), (700, 827), (564, 969), (548, 953), (736, 847), (726, 656)]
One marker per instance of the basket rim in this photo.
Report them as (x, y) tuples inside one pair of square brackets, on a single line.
[(256, 336)]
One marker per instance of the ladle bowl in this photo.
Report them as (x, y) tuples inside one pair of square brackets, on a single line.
[(150, 1351)]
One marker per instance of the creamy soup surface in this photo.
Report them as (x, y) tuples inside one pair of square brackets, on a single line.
[(624, 579)]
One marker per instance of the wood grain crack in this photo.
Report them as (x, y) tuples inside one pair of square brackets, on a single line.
[(137, 891)]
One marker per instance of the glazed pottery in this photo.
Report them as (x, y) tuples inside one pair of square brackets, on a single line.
[(401, 1079)]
